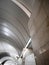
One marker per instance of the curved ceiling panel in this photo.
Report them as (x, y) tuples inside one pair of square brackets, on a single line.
[(13, 24)]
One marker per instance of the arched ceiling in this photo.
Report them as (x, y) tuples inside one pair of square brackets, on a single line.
[(13, 24)]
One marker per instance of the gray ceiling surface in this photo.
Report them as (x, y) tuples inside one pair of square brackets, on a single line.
[(13, 24)]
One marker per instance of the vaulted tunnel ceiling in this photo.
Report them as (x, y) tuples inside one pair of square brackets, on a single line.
[(13, 24)]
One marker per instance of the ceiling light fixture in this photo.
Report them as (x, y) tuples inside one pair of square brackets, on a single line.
[(22, 7)]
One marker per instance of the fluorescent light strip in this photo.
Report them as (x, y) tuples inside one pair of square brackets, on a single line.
[(26, 46), (22, 7), (28, 43)]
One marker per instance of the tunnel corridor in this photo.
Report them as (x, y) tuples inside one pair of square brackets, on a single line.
[(24, 32)]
